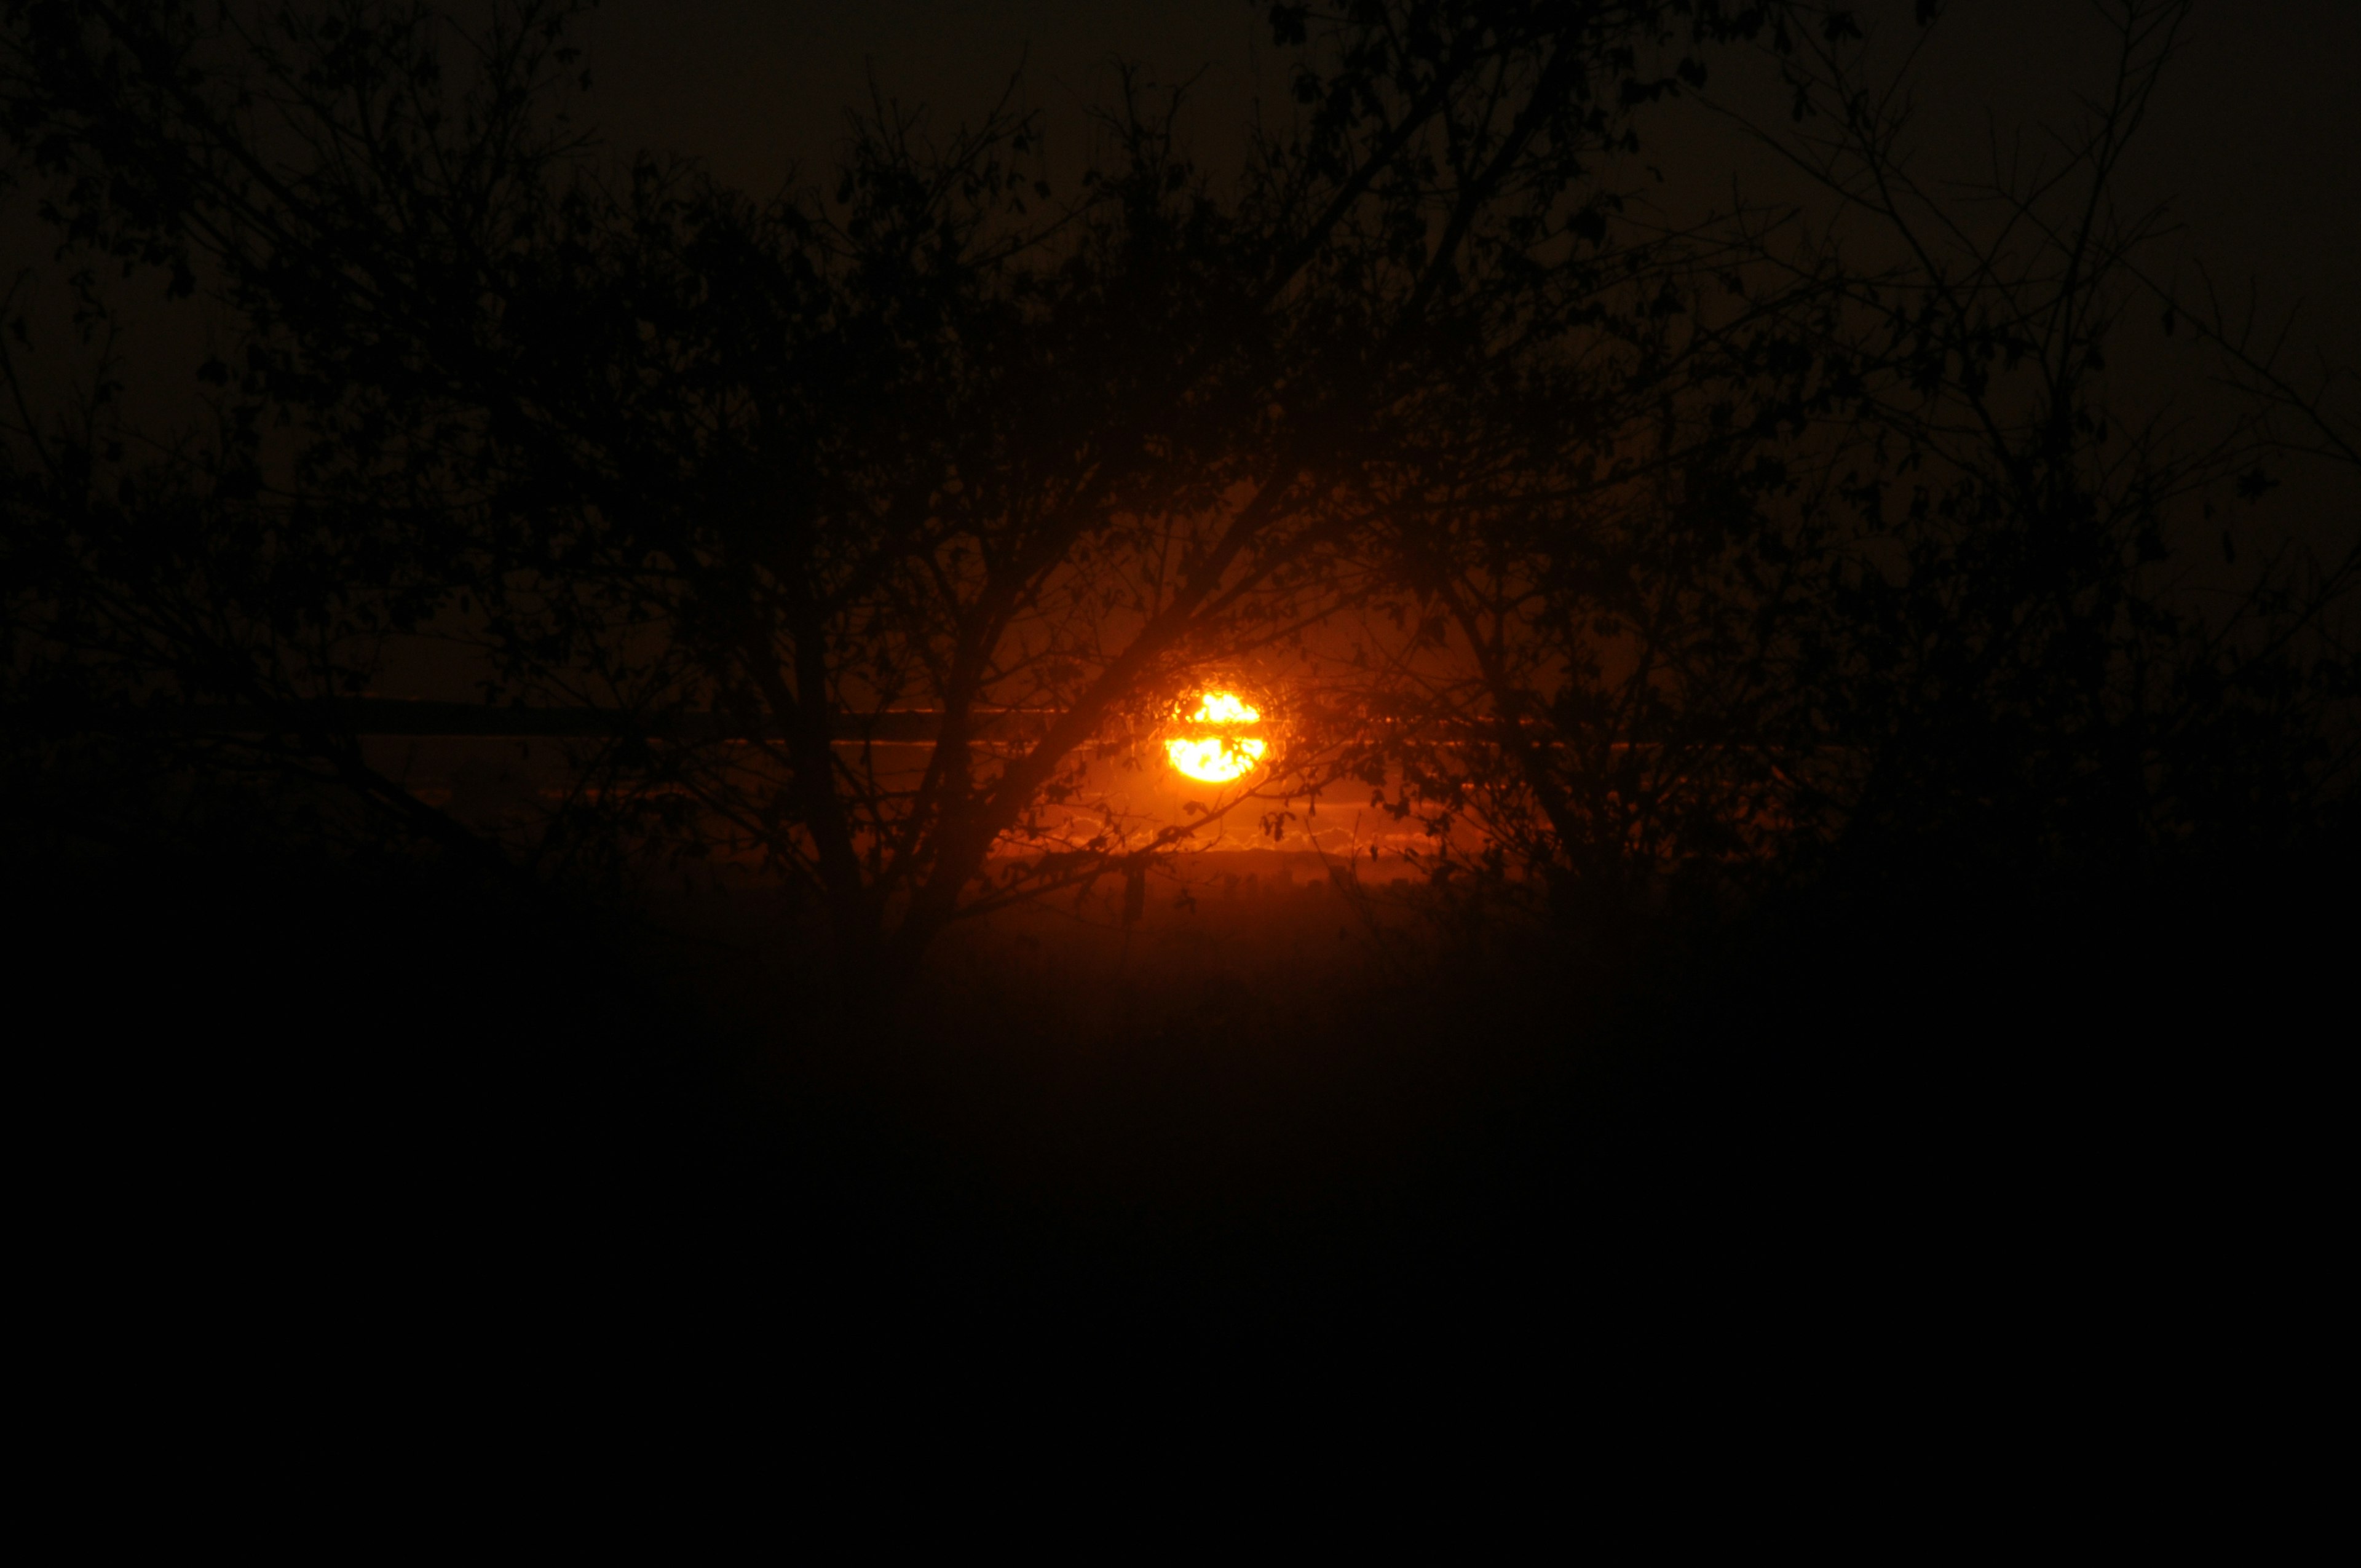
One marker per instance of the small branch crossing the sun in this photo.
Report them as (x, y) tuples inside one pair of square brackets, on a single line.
[(1217, 745)]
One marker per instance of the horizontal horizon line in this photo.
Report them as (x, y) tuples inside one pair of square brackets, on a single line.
[(426, 717)]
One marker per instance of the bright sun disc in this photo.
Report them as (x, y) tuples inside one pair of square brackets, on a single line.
[(1223, 755)]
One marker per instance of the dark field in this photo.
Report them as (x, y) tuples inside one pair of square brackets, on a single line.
[(285, 1111)]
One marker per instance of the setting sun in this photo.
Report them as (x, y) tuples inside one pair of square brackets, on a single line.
[(1216, 750)]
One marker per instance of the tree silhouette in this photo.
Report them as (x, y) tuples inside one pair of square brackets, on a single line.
[(940, 438), (2013, 652), (1663, 548), (1858, 549)]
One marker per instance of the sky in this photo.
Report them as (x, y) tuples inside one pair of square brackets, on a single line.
[(2251, 150), (2254, 137), (2254, 142)]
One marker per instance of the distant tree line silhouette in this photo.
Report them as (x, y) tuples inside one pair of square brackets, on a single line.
[(1639, 549)]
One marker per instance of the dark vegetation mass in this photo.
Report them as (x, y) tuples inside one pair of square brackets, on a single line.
[(1873, 776)]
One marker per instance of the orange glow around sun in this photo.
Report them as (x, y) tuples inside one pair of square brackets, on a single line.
[(1216, 751)]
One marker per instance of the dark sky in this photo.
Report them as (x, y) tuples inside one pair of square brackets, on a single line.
[(2256, 138), (2253, 142), (755, 87)]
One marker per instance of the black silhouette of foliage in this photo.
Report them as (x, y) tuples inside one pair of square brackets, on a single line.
[(1659, 549), (2013, 655), (1858, 550), (1850, 556), (936, 438)]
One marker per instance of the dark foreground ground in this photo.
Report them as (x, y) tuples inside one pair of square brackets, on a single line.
[(283, 1119)]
